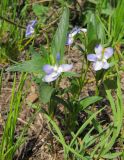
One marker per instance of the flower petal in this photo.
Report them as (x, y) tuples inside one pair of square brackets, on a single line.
[(51, 77), (70, 40), (75, 31), (66, 67), (98, 51), (32, 23), (30, 28), (83, 30), (92, 57), (108, 52), (48, 69), (29, 31), (106, 65), (98, 65)]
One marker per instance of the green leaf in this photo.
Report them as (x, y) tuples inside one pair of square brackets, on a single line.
[(117, 111), (112, 155), (61, 139), (35, 65), (92, 32), (107, 11), (39, 9), (93, 1), (61, 1), (117, 22), (70, 74), (100, 74), (88, 101), (59, 40), (45, 92), (84, 125), (111, 83), (96, 30), (113, 63)]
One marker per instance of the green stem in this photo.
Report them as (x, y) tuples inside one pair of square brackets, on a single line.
[(83, 77), (1, 75), (97, 90)]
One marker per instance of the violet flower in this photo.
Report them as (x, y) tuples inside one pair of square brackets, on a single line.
[(53, 72), (100, 58), (30, 28), (71, 35)]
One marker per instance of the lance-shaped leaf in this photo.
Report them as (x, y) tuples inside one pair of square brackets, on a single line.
[(34, 65), (59, 40), (46, 92), (89, 101)]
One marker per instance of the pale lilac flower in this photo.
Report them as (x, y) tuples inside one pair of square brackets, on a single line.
[(53, 72), (30, 28), (74, 31), (83, 30), (100, 58)]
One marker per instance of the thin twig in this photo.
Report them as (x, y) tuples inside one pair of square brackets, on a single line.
[(9, 21), (40, 2), (50, 24), (26, 123)]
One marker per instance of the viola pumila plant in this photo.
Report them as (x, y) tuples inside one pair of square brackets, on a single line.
[(80, 120)]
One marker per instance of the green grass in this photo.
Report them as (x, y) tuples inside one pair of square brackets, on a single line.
[(8, 145), (10, 31)]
